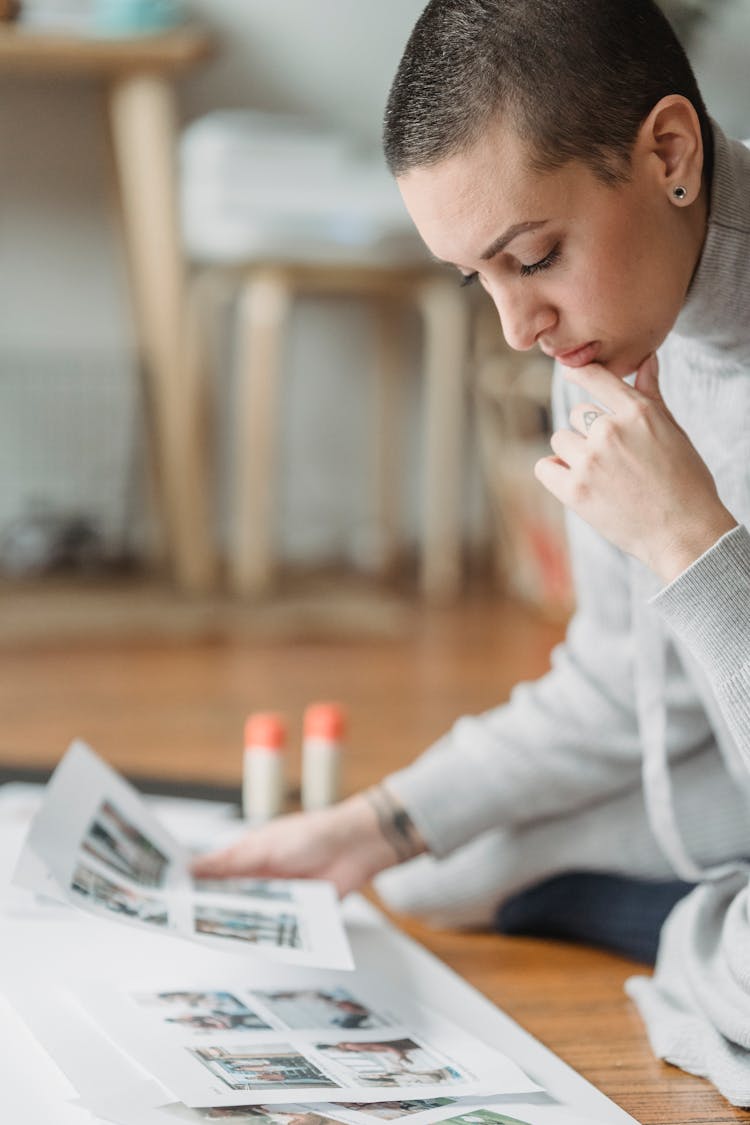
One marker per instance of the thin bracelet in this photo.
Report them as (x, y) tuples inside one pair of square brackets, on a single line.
[(395, 824)]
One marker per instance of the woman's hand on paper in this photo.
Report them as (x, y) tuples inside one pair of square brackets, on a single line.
[(343, 844), (630, 471)]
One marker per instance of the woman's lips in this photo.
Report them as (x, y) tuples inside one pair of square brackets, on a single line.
[(579, 357)]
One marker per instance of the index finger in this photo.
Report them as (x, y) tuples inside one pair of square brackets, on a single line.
[(608, 389)]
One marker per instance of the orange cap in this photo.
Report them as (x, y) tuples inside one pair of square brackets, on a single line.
[(325, 720), (267, 729)]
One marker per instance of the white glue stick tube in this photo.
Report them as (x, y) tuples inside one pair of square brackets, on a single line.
[(324, 728), (263, 767)]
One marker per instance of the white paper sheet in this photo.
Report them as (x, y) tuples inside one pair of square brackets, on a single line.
[(92, 1065), (474, 1113), (253, 1040), (96, 844), (44, 947)]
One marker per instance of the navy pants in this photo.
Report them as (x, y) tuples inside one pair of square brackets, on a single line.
[(611, 911)]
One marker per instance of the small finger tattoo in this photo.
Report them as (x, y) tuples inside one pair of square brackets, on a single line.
[(590, 417)]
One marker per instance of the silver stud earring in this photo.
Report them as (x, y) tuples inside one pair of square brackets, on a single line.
[(680, 192)]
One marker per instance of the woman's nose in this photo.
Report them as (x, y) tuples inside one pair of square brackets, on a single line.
[(523, 319)]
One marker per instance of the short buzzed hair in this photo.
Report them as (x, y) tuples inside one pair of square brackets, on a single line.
[(574, 78)]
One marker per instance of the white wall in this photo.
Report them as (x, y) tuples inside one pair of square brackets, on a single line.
[(334, 58), (62, 282), (720, 57)]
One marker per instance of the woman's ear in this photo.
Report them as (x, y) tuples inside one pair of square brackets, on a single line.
[(671, 143)]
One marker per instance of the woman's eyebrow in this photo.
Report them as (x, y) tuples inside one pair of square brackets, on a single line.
[(500, 242), (507, 236)]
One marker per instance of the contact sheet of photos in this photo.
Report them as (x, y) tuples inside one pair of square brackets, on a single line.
[(449, 1112), (251, 1042), (95, 843), (244, 1045)]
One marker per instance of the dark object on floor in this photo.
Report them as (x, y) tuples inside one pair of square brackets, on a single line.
[(611, 911), (46, 542)]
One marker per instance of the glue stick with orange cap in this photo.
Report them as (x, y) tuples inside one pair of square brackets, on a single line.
[(322, 743), (263, 766)]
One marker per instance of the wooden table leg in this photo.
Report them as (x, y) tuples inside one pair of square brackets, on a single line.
[(262, 315), (445, 318), (388, 428), (143, 125)]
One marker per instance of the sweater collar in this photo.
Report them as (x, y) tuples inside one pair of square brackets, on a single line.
[(716, 313)]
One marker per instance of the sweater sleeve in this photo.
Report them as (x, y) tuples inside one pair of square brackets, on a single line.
[(563, 742), (708, 608)]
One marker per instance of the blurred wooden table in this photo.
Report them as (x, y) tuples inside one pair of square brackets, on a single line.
[(139, 75)]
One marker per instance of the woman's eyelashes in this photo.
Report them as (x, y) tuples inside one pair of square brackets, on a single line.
[(543, 263), (525, 271)]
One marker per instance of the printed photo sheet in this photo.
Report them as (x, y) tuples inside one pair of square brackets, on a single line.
[(111, 1086), (458, 1112), (335, 1038), (95, 843)]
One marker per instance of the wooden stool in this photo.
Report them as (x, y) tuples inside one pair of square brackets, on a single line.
[(266, 296)]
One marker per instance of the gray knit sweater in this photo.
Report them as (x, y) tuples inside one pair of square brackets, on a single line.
[(633, 753)]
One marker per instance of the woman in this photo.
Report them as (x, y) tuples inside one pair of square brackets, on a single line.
[(558, 152)]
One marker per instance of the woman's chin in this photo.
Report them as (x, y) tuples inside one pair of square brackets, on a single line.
[(622, 366)]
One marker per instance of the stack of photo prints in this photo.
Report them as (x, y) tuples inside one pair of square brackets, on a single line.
[(96, 844), (308, 1041)]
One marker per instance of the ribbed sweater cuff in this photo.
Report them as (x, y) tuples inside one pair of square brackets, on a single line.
[(708, 606)]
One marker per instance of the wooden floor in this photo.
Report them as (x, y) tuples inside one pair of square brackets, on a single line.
[(161, 687)]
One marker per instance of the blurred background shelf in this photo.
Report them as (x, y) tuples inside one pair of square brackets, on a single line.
[(43, 53)]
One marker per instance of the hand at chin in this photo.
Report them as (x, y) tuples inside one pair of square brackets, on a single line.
[(628, 469)]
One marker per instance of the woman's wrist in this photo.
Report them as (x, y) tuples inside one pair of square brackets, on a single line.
[(358, 835), (394, 822), (377, 829), (692, 544)]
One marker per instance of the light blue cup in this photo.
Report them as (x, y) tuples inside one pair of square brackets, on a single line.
[(136, 17)]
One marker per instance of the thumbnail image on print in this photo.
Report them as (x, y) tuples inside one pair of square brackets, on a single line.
[(278, 1067), (313, 1007), (201, 1011), (267, 1115), (115, 841), (390, 1062), (104, 894), (271, 890), (388, 1111), (484, 1117), (254, 926)]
